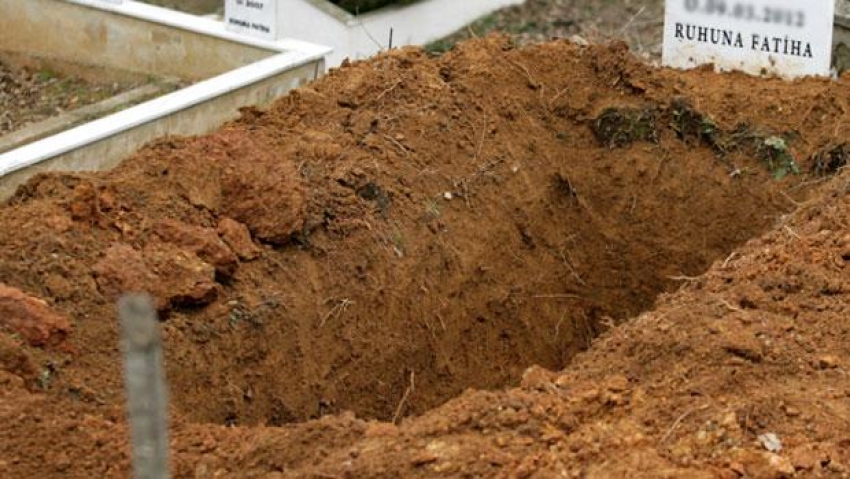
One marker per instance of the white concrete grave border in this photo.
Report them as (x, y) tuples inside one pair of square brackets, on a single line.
[(68, 150)]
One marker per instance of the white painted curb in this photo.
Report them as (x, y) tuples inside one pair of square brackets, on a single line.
[(293, 54), (153, 110)]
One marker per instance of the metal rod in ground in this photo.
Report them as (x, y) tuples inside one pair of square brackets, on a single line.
[(147, 399)]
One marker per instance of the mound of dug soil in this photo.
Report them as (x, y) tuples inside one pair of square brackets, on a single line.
[(410, 228)]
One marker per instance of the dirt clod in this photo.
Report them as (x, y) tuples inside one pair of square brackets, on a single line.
[(31, 318), (260, 190), (238, 238), (173, 276), (204, 242)]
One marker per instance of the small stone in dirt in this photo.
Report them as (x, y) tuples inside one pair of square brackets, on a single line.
[(780, 466), (771, 442), (448, 195), (792, 411), (828, 362), (579, 40), (807, 458), (740, 342), (424, 458), (738, 469), (538, 378), (618, 384), (765, 465)]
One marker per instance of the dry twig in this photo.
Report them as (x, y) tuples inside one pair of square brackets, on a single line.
[(407, 392)]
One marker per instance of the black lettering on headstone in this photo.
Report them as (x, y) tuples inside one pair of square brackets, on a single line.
[(796, 48)]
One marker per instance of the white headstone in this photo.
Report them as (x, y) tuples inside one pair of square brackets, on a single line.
[(252, 17), (788, 38)]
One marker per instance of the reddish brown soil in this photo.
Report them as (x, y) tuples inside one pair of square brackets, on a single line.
[(410, 228)]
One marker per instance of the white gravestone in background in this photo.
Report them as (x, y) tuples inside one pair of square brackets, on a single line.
[(252, 17), (788, 38)]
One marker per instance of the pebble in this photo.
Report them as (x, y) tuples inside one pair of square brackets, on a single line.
[(792, 412), (781, 466), (771, 442), (806, 459), (579, 40), (828, 362), (618, 384)]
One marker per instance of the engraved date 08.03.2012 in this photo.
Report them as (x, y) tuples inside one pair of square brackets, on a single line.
[(748, 12)]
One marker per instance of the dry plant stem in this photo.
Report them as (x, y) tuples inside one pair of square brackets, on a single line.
[(729, 305), (387, 91), (557, 97), (557, 296), (588, 331), (528, 76), (686, 279), (410, 388), (570, 268), (791, 200), (677, 422), (401, 147), (632, 20), (337, 310), (792, 232)]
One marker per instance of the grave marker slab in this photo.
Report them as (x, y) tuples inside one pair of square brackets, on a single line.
[(252, 17), (788, 38)]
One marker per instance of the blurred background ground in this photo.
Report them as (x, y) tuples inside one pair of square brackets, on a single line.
[(638, 22)]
